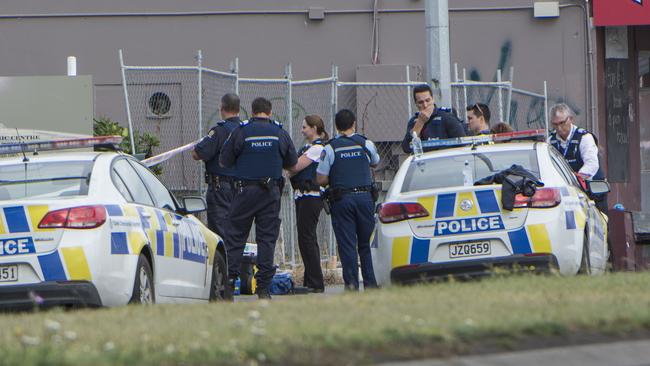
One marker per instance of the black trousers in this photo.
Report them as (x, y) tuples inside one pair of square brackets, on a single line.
[(261, 204), (219, 200), (308, 210)]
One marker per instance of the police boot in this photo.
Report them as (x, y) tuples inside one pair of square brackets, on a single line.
[(263, 293)]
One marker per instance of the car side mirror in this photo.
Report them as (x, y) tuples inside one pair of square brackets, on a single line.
[(193, 205), (597, 186)]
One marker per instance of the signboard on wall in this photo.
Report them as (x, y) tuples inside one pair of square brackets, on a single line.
[(621, 12)]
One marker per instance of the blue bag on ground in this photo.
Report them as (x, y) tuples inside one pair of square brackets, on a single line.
[(282, 283)]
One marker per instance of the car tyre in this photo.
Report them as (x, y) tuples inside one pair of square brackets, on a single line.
[(143, 287), (219, 288), (585, 264)]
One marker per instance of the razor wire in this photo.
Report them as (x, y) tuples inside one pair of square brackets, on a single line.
[(165, 101)]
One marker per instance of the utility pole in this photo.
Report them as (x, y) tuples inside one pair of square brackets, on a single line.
[(436, 13)]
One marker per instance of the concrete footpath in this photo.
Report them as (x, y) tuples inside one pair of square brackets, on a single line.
[(628, 353)]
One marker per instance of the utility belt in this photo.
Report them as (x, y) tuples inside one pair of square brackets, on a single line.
[(305, 186), (266, 183), (217, 181), (332, 195)]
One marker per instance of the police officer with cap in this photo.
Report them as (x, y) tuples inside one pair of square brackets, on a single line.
[(258, 150), (345, 165), (579, 148), (431, 121), (219, 179)]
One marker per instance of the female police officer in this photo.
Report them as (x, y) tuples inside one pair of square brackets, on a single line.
[(308, 200)]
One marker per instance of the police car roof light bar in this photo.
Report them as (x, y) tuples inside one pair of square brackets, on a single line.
[(51, 145), (534, 135)]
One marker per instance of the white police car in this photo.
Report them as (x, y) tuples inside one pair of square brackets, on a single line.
[(435, 224), (99, 229)]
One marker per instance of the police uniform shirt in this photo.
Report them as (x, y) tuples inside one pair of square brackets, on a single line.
[(441, 125), (234, 146), (588, 151), (327, 157), (313, 154), (209, 147)]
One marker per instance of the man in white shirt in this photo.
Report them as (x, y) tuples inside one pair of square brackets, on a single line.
[(578, 146)]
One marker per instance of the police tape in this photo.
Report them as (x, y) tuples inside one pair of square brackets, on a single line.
[(155, 160)]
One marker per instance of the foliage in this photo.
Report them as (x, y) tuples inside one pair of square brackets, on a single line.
[(387, 324), (144, 143)]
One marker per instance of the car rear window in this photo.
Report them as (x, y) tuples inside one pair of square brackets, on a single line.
[(447, 171), (44, 179)]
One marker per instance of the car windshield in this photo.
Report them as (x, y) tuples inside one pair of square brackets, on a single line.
[(44, 179), (448, 171)]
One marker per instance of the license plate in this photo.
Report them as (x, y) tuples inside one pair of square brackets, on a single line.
[(474, 249), (9, 273)]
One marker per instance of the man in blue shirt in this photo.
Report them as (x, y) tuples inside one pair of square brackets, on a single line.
[(430, 122), (258, 149), (219, 179), (345, 166)]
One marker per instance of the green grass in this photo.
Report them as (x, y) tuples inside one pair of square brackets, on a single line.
[(395, 323)]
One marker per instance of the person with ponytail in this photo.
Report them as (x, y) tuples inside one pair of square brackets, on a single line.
[(308, 200)]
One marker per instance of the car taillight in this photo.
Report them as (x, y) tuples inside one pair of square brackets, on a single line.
[(82, 217), (543, 198), (395, 211)]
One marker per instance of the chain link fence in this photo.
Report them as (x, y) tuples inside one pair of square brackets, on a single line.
[(165, 101)]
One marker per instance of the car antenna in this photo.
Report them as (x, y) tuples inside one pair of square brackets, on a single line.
[(22, 146)]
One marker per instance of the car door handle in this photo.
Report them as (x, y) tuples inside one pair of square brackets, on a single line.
[(145, 214), (581, 196), (176, 222)]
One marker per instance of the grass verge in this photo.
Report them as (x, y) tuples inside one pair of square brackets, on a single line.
[(388, 324)]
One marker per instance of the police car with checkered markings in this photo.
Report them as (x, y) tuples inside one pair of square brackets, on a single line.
[(99, 229), (434, 224)]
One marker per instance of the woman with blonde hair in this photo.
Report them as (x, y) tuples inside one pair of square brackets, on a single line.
[(308, 200)]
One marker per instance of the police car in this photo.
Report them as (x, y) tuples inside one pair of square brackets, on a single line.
[(435, 222), (99, 229)]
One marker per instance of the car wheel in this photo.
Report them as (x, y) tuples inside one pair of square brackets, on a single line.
[(585, 264), (219, 289), (143, 288)]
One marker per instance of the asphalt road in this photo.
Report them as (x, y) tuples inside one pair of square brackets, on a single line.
[(627, 353)]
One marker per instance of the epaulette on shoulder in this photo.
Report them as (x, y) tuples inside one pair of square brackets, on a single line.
[(277, 123), (243, 123), (221, 123), (581, 130), (445, 109)]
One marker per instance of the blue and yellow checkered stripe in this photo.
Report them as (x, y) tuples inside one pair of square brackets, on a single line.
[(448, 204)]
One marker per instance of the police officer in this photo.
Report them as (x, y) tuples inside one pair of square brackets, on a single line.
[(578, 146), (430, 121), (308, 200), (219, 179), (345, 165), (258, 149), (478, 119)]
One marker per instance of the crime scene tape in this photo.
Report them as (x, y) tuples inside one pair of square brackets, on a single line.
[(157, 159)]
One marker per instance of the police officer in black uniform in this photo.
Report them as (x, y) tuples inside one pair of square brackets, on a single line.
[(430, 122), (579, 148), (219, 179), (258, 149), (345, 165)]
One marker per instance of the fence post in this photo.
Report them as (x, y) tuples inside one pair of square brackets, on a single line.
[(199, 64), (334, 102), (500, 90), (235, 70), (546, 109), (465, 93), (128, 106), (292, 237), (456, 88), (408, 91), (509, 99)]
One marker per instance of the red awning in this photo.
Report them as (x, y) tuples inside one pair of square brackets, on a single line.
[(621, 12)]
